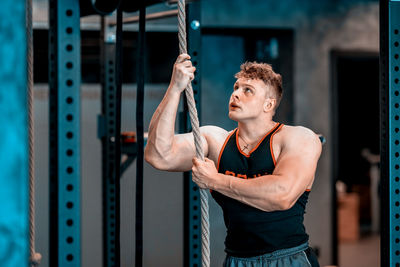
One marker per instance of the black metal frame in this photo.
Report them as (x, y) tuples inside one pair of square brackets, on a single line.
[(334, 155), (140, 138), (114, 144), (192, 215), (384, 114), (107, 132)]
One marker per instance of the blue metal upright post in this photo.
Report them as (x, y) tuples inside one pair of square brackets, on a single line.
[(13, 136), (394, 126), (390, 131), (65, 175)]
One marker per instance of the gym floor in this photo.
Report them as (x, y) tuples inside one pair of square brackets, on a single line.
[(364, 253)]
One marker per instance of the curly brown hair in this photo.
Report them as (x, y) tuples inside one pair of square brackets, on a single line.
[(264, 72)]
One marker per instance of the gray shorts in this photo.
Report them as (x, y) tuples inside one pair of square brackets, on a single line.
[(300, 256)]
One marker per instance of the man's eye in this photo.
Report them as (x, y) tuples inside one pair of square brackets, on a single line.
[(235, 88), (247, 89)]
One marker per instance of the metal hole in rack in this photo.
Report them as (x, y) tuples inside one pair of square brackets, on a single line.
[(69, 135), (70, 170), (70, 205)]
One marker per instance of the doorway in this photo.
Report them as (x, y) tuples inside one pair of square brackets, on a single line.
[(355, 159)]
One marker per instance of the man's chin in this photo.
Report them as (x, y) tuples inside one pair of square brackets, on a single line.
[(232, 116)]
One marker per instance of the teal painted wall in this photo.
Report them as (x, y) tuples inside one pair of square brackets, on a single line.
[(13, 136)]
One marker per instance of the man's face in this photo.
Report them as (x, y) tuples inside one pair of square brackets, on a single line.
[(247, 99)]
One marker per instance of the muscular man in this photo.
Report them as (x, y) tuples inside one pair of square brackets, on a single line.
[(260, 173)]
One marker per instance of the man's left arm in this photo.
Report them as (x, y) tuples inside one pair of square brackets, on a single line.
[(294, 172)]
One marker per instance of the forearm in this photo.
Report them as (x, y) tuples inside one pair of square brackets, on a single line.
[(264, 192), (162, 125), (164, 149)]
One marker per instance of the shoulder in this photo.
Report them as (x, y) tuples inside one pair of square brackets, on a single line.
[(298, 131), (215, 137), (214, 132), (299, 136)]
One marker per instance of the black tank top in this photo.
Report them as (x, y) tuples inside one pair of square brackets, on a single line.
[(251, 231)]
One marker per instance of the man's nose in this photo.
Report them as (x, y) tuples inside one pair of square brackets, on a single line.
[(235, 94)]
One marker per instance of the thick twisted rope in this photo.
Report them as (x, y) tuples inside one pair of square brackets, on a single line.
[(34, 257), (205, 228)]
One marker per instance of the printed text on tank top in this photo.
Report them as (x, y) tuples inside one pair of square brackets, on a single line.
[(251, 231), (274, 150)]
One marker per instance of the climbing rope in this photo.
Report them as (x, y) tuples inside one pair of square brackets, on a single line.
[(205, 229), (34, 257)]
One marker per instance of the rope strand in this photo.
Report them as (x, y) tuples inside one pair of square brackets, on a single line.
[(34, 257), (205, 228)]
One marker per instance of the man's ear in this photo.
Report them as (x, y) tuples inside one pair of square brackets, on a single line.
[(269, 104)]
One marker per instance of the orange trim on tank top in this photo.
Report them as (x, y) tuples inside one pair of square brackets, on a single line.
[(262, 139), (223, 147), (270, 144)]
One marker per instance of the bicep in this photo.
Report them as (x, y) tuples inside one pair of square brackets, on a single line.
[(183, 151), (183, 148), (297, 164), (212, 137)]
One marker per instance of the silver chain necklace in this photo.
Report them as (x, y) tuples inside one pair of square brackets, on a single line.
[(246, 147)]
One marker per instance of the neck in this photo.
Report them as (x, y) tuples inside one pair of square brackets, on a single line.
[(252, 131)]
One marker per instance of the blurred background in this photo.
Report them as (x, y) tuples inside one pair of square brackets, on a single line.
[(327, 53)]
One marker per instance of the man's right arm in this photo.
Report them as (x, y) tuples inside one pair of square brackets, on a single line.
[(164, 149)]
